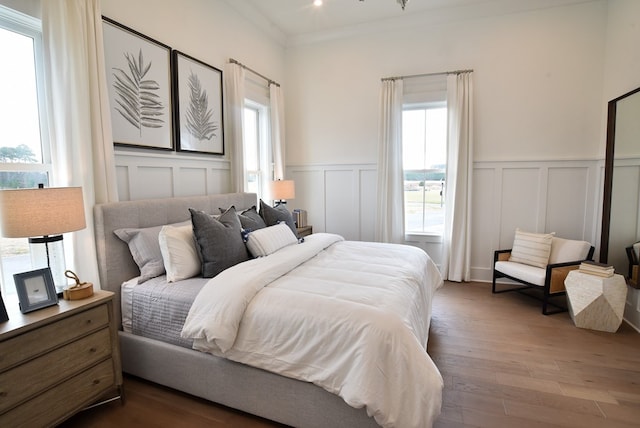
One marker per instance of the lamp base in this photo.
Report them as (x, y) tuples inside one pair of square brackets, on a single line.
[(48, 251)]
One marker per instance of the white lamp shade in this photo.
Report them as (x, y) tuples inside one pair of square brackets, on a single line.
[(26, 213), (283, 189)]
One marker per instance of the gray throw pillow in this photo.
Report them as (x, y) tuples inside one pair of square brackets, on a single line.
[(273, 216), (249, 219), (219, 241)]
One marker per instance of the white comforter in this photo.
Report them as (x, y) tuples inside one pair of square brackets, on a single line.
[(351, 317)]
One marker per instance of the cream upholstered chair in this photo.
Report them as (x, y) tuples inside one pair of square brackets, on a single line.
[(540, 262)]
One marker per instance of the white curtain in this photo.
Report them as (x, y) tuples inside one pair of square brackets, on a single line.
[(235, 84), (78, 114), (390, 209), (456, 252), (277, 130)]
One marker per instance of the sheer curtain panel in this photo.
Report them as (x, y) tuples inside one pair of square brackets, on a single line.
[(456, 251), (235, 75), (277, 130), (390, 209), (78, 114)]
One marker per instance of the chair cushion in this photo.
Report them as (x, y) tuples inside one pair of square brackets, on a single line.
[(636, 248), (568, 250), (531, 274), (531, 248)]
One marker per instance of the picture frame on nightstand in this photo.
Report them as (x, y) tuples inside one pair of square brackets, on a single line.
[(36, 289), (4, 316)]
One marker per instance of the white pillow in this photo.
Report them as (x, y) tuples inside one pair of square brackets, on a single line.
[(568, 250), (268, 240), (179, 253), (531, 248)]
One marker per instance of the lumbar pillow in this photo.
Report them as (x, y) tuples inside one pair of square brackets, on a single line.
[(531, 248), (218, 241), (145, 249), (273, 216), (179, 252), (270, 239)]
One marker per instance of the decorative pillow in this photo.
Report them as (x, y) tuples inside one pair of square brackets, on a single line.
[(179, 253), (273, 216), (145, 249), (218, 241), (531, 248), (270, 239), (249, 219), (568, 250)]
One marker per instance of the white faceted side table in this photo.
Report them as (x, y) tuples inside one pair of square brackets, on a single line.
[(595, 302)]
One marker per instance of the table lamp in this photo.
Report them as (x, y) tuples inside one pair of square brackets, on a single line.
[(281, 190), (43, 215)]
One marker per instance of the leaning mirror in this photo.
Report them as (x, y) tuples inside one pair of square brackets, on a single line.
[(620, 213)]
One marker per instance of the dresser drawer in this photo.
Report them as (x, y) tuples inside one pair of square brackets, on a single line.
[(29, 379), (54, 405), (29, 345)]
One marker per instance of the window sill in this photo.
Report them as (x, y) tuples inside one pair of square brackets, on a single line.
[(423, 237)]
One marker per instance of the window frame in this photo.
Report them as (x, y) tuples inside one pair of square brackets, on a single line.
[(264, 152), (414, 235), (31, 27)]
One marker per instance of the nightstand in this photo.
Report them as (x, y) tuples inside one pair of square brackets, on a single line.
[(57, 360), (304, 231)]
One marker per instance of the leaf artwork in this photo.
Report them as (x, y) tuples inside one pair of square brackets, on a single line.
[(137, 100), (199, 121)]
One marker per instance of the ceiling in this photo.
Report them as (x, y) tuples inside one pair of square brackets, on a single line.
[(298, 21)]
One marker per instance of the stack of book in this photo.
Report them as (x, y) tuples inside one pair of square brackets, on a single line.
[(599, 269), (300, 217)]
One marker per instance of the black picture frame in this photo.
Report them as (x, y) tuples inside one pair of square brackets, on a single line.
[(4, 316), (138, 71), (36, 289), (198, 105)]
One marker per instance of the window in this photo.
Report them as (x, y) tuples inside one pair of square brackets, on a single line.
[(424, 148), (257, 156), (24, 148)]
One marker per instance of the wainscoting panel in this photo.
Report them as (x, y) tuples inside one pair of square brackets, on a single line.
[(368, 201), (567, 191), (144, 175), (484, 220), (520, 202), (341, 209)]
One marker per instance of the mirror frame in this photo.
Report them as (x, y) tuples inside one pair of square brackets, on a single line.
[(608, 173)]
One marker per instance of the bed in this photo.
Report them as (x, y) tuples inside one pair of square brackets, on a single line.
[(211, 372)]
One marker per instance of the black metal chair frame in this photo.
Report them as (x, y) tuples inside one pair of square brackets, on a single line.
[(555, 273)]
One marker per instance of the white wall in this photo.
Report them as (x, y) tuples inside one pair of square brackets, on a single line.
[(622, 74)]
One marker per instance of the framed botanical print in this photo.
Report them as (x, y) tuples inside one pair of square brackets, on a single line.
[(197, 89), (138, 72)]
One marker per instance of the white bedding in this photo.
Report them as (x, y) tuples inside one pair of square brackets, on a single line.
[(351, 317)]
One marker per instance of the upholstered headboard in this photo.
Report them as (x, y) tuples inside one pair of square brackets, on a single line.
[(115, 264)]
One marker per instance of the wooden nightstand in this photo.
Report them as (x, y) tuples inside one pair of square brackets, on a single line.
[(304, 231), (58, 360)]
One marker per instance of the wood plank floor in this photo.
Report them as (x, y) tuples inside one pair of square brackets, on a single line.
[(504, 364)]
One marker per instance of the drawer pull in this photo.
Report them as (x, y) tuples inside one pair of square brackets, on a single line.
[(3, 394), (93, 349), (88, 321), (96, 381)]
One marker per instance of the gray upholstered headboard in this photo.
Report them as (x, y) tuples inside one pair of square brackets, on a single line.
[(115, 264)]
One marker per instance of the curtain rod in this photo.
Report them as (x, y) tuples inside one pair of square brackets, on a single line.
[(427, 74), (231, 60)]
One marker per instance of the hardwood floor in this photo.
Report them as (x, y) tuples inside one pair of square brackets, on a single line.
[(504, 364)]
